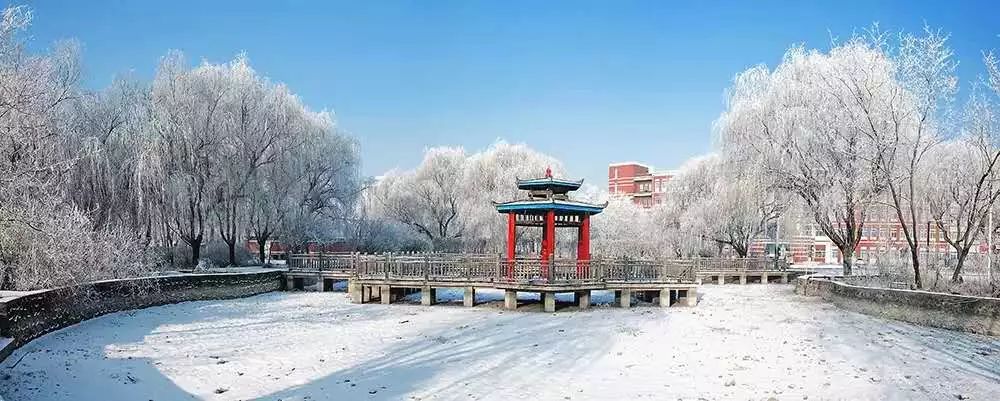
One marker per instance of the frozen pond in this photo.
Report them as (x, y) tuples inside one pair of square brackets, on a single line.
[(740, 342)]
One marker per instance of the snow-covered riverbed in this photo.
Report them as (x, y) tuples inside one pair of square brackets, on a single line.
[(740, 342)]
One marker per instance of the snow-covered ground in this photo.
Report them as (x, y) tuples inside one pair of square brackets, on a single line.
[(740, 342)]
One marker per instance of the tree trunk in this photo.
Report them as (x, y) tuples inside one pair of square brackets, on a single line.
[(195, 250), (741, 251), (261, 251), (915, 257), (956, 277), (232, 252), (848, 254)]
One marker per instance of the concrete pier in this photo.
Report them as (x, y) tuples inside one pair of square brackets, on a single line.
[(690, 297), (583, 299), (386, 295), (356, 291), (510, 299), (626, 298), (392, 291), (549, 299), (428, 296), (469, 298)]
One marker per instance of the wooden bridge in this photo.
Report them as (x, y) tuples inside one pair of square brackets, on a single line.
[(742, 271), (388, 277)]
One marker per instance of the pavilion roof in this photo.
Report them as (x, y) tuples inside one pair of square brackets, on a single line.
[(558, 185), (549, 204)]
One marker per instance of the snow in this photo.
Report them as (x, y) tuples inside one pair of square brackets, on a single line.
[(740, 342), (7, 296)]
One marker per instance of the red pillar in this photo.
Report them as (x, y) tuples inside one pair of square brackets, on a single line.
[(511, 243), (583, 247), (548, 241)]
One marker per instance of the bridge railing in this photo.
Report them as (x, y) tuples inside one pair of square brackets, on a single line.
[(739, 265), (494, 268), (342, 262)]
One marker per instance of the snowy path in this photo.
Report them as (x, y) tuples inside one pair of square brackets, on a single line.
[(741, 342)]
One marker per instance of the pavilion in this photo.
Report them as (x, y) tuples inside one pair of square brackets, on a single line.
[(548, 206)]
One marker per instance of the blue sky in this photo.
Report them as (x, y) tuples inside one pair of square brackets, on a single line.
[(588, 82)]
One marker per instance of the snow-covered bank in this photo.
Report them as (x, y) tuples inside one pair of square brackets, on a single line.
[(741, 342)]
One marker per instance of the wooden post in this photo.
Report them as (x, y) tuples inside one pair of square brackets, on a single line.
[(583, 248), (548, 242), (511, 243)]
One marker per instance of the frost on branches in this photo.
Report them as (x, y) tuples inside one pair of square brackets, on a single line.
[(851, 129), (108, 184), (445, 204)]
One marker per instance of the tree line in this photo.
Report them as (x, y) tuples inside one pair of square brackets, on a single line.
[(871, 123), (142, 175), (146, 175), (834, 136)]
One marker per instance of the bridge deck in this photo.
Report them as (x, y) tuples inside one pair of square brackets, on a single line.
[(386, 278)]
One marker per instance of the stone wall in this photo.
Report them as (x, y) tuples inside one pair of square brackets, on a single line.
[(25, 318), (979, 315)]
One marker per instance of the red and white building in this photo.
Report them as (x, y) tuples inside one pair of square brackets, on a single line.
[(645, 186)]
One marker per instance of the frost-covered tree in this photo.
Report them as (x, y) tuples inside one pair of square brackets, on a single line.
[(447, 199), (812, 126), (327, 184), (716, 202), (737, 208), (964, 179), (110, 127), (491, 176), (429, 199), (625, 229), (925, 70), (188, 121), (204, 152), (47, 240)]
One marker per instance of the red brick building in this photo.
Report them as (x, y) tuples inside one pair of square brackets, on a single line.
[(645, 186), (881, 235), (802, 241)]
